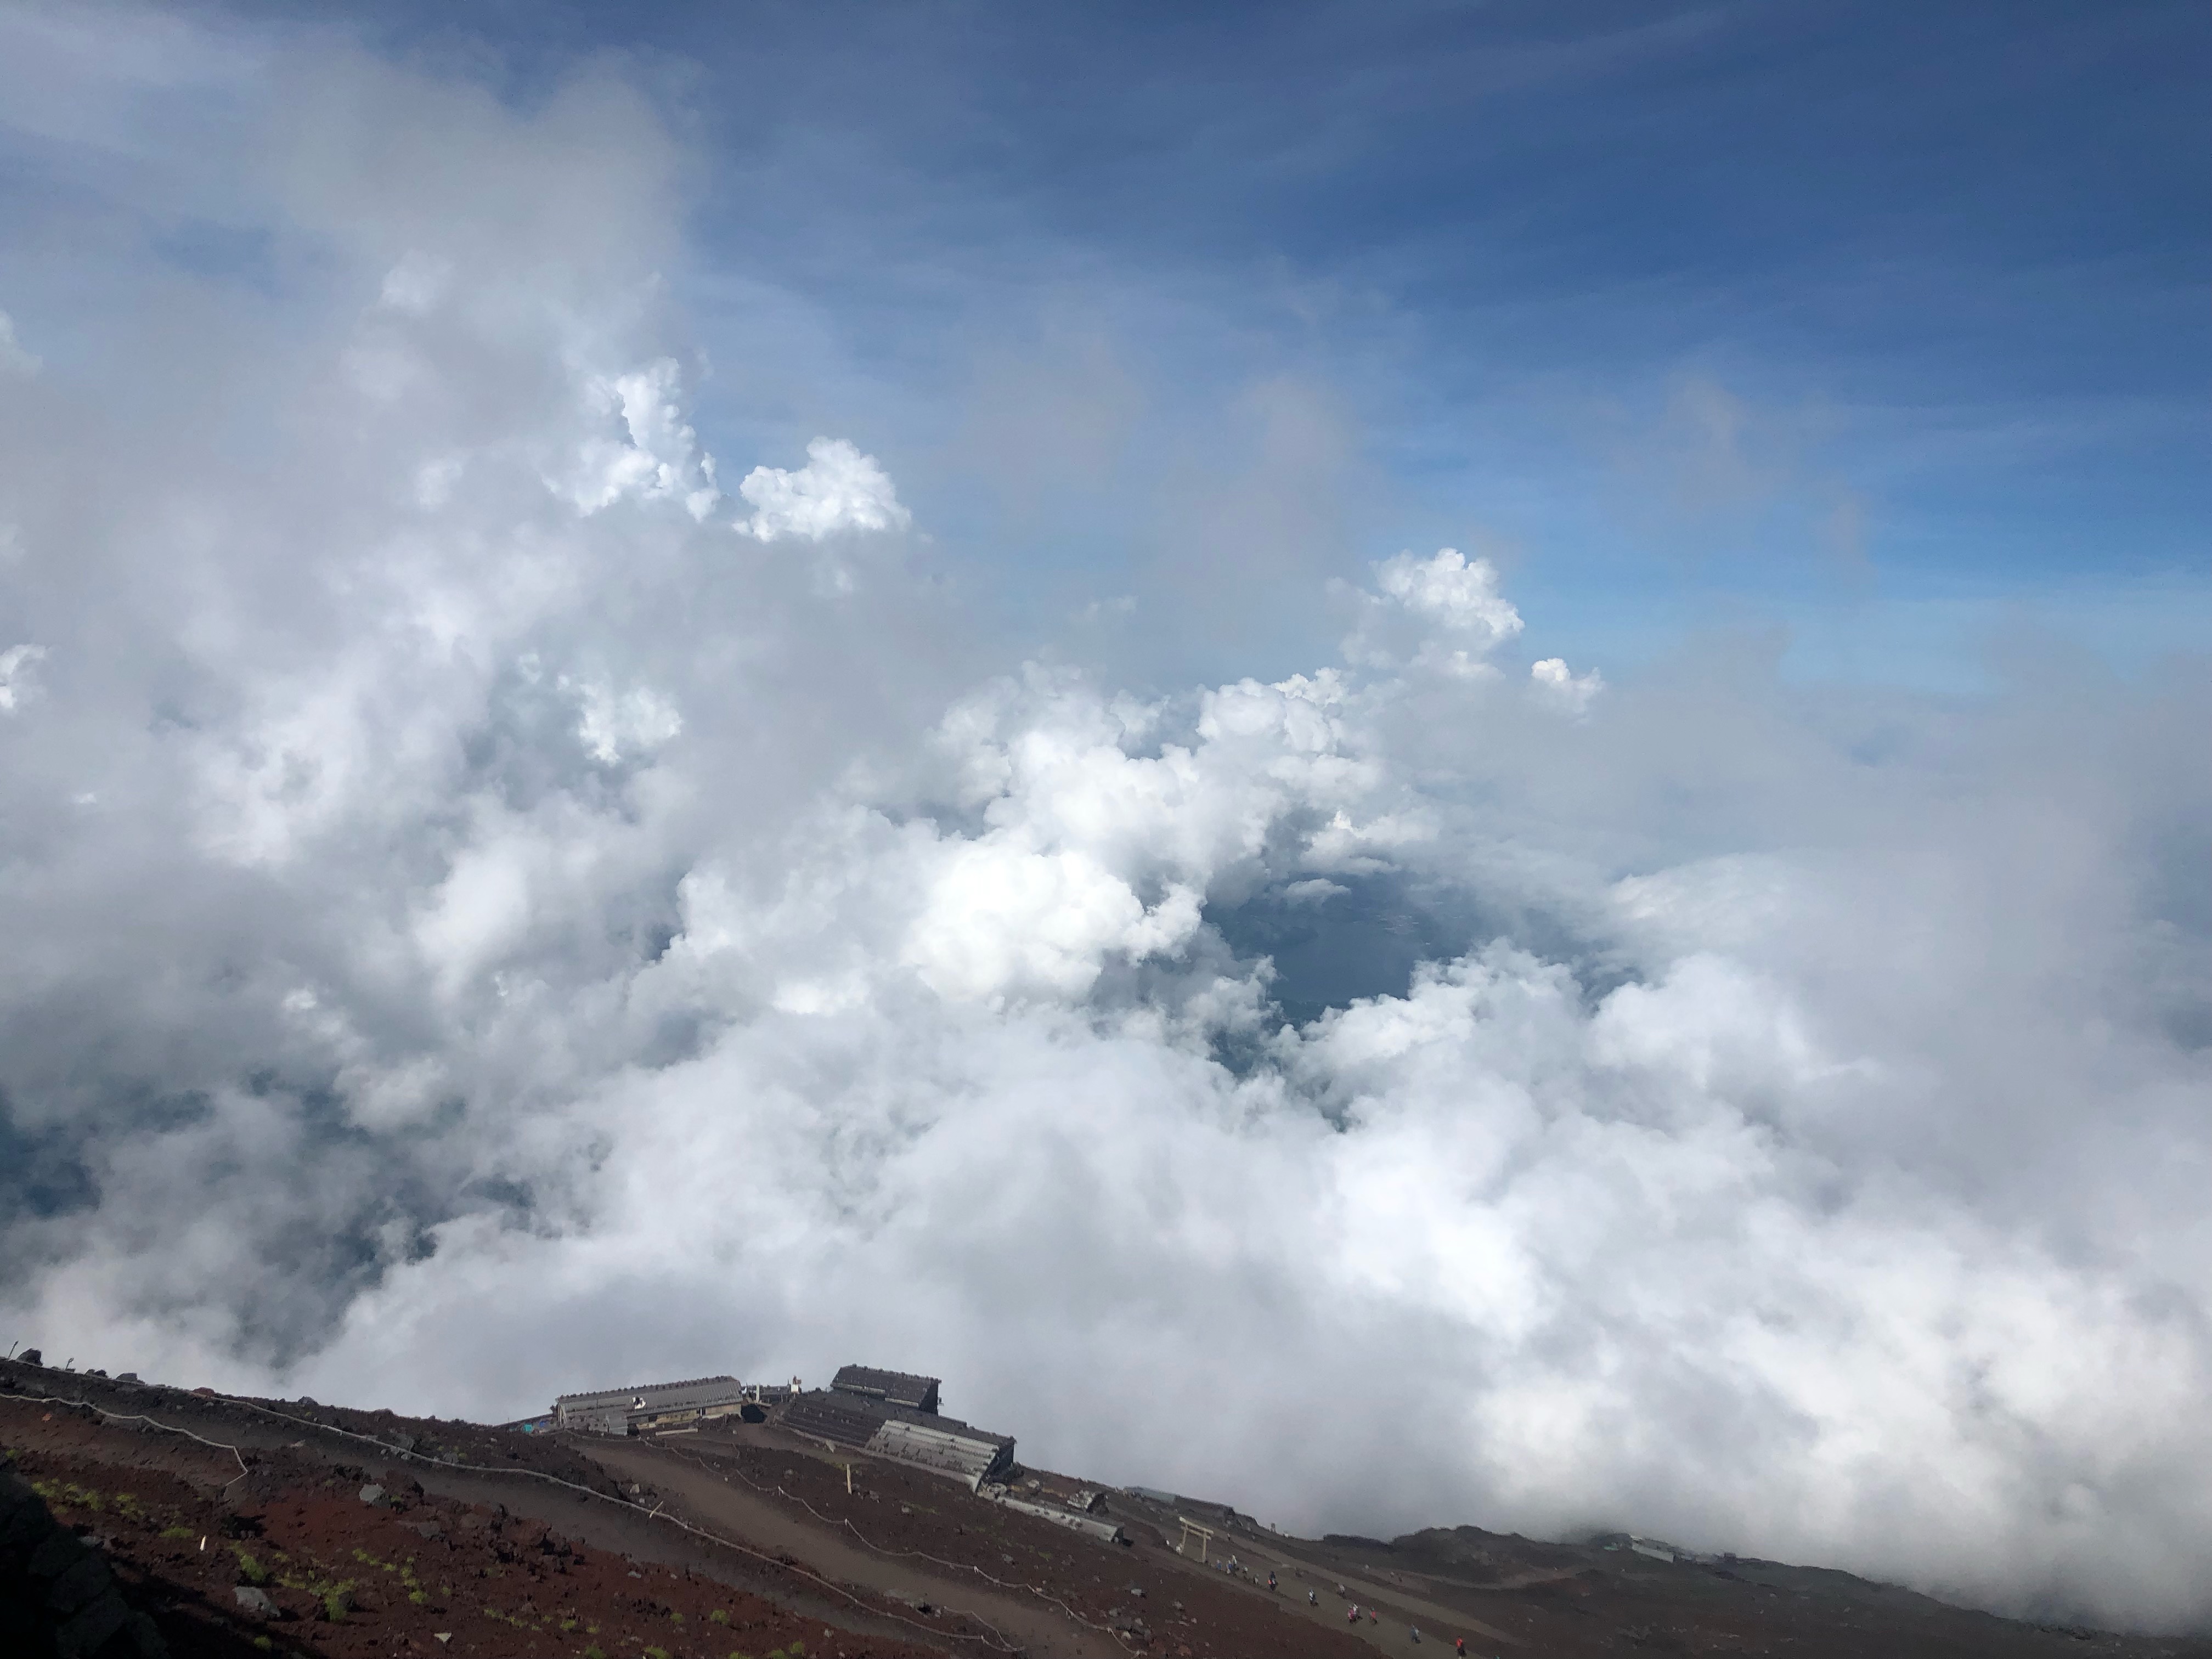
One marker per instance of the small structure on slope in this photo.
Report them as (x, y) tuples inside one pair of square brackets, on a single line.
[(1103, 1529), (917, 1394), (649, 1405), (893, 1415)]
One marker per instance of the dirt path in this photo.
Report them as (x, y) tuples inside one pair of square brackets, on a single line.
[(708, 1499), (1400, 1608), (216, 1425)]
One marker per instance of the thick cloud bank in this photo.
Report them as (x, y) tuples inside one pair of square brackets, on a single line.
[(490, 910)]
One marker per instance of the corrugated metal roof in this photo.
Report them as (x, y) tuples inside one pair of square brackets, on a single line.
[(844, 1418), (657, 1396), (966, 1452), (894, 1388), (923, 1439)]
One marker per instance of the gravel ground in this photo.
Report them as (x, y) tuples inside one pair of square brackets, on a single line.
[(742, 1541)]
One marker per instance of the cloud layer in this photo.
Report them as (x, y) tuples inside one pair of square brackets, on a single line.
[(487, 907)]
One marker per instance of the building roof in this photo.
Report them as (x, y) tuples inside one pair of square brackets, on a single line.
[(854, 1418), (923, 1438), (893, 1387), (847, 1420), (657, 1396), (967, 1453)]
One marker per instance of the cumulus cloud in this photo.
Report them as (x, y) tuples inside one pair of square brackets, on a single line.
[(17, 685), (1444, 614), (654, 456), (838, 490), (637, 721), (1562, 689), (470, 918)]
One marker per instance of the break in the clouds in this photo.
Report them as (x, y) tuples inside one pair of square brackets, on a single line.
[(488, 911)]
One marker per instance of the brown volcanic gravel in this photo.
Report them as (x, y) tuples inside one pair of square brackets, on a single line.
[(350, 1578), (1153, 1601), (903, 1564)]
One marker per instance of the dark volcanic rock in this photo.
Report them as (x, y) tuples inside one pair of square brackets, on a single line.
[(58, 1599)]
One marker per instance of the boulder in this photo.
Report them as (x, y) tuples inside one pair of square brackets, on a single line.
[(89, 1629), (253, 1600), (56, 1595), (79, 1584)]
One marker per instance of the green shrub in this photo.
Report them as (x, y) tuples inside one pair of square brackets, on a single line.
[(250, 1569), (718, 1617)]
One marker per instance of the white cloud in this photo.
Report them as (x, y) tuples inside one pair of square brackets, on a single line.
[(1000, 920), (656, 458), (637, 721), (1767, 1118), (1458, 595), (17, 687), (1443, 615), (838, 490), (1563, 689)]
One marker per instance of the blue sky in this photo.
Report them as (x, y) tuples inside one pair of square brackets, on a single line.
[(1880, 326), (1883, 323)]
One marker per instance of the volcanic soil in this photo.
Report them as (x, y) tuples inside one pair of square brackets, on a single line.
[(743, 1541)]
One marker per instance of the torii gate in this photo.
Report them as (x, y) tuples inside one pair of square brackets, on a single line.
[(1204, 1535)]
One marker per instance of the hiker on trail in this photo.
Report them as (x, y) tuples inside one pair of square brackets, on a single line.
[(1271, 1580), (1312, 1600), (1459, 1648), (1354, 1616), (1416, 1630)]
